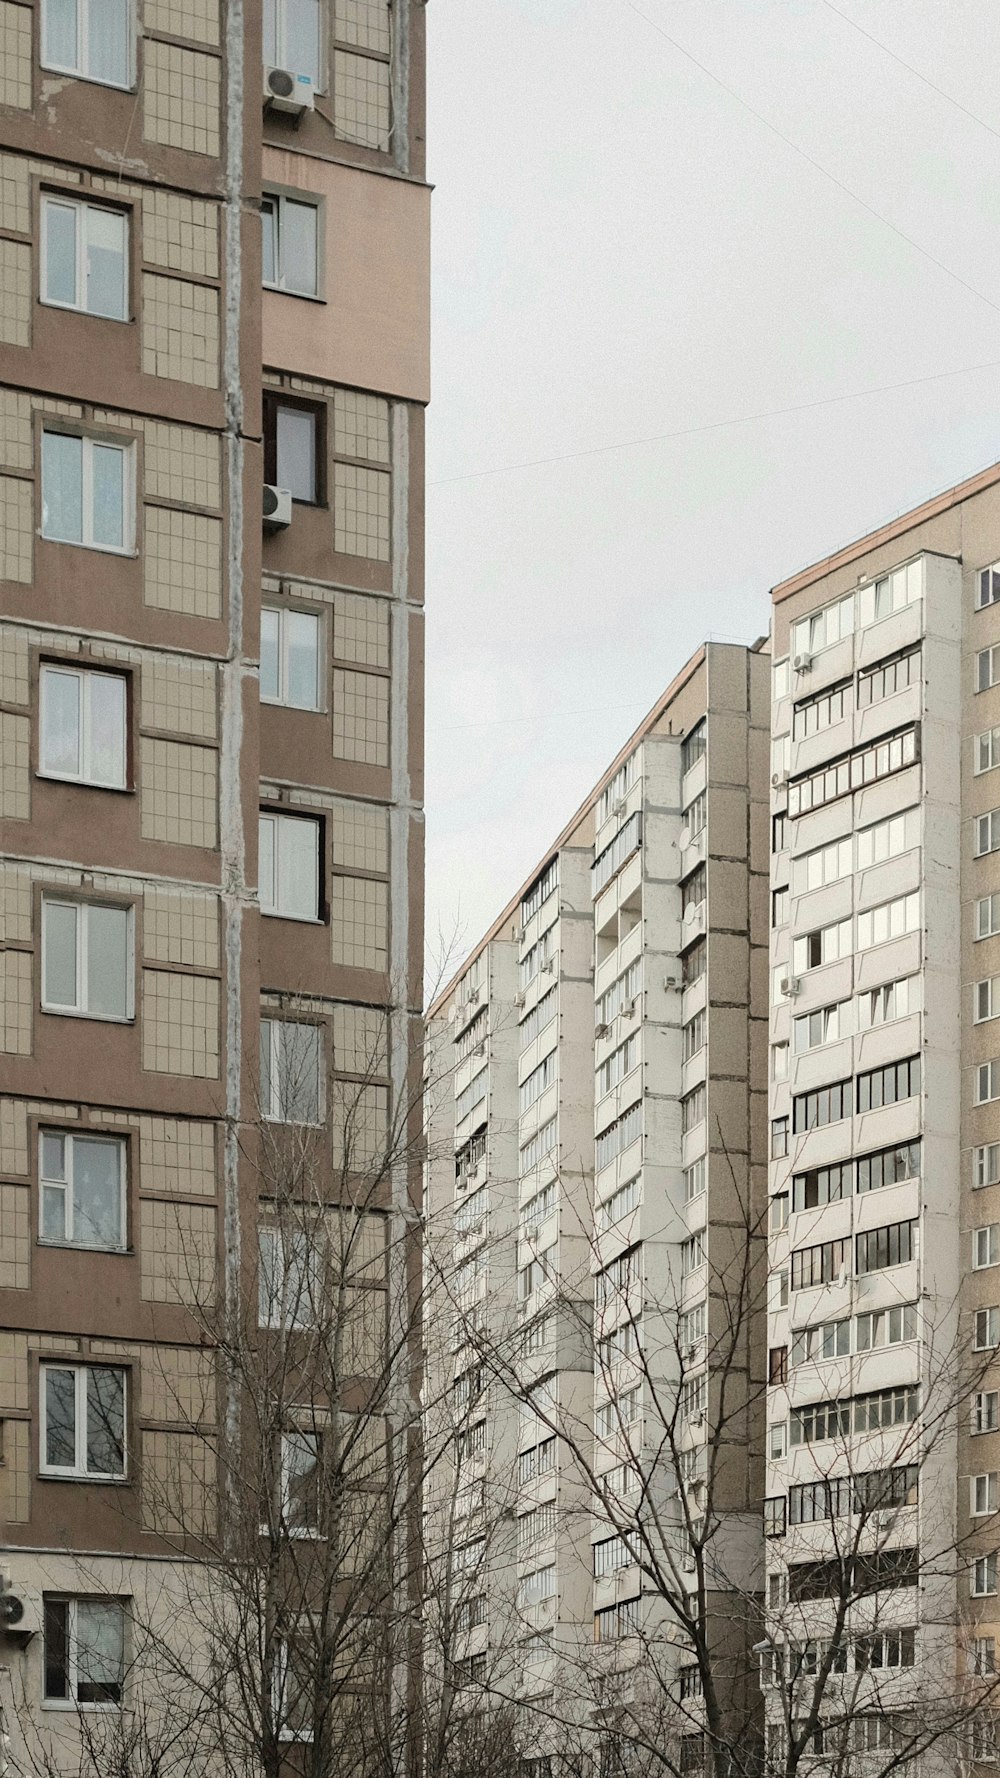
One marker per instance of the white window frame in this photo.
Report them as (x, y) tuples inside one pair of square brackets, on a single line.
[(986, 1247), (992, 676), (987, 834), (987, 586), (289, 1433), (87, 541), (82, 70), (268, 1112), (294, 1260), (983, 1581), (275, 907), (86, 774), (283, 613), (986, 751), (61, 201), (986, 1000), (987, 916), (985, 1411), (72, 1702), (287, 1735), (80, 1010), (827, 1020), (984, 1494), (279, 202), (987, 1082), (69, 1138), (986, 1329), (985, 1165), (79, 1471)]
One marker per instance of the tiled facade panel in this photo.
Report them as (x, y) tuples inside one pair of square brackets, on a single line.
[(360, 426), (181, 98), (177, 1385), (16, 529), (15, 293), (180, 233), (180, 1033), (359, 1040), (179, 793), (361, 99), (361, 512), (14, 667), (182, 464), (178, 1483), (15, 1003), (15, 906), (15, 780), (198, 20), (360, 717), (364, 23), (179, 697), (359, 918), (15, 55), (15, 1473), (177, 1155), (15, 1237), (358, 1122), (361, 630), (181, 928), (183, 562), (180, 330), (359, 837), (177, 1252)]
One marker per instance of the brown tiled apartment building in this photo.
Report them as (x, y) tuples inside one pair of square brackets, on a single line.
[(213, 368)]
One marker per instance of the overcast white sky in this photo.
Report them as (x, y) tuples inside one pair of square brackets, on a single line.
[(623, 250)]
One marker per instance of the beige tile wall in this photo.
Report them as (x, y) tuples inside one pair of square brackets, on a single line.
[(181, 97), (359, 1117), (359, 922), (177, 1155), (15, 293), (180, 928), (360, 717), (15, 1003), (15, 1475), (360, 425), (361, 511), (177, 1253), (361, 99), (179, 792), (14, 1396), (196, 19), (15, 759), (16, 529), (359, 836), (183, 562), (14, 686), (183, 464), (361, 630), (180, 233), (178, 1483), (15, 55), (15, 1237), (180, 1024), (15, 906), (180, 330), (359, 1039), (179, 696), (177, 1385)]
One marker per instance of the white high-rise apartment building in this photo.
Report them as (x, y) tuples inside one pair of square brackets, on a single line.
[(596, 1168)]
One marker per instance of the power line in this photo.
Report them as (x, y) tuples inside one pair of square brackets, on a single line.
[(809, 158), (910, 69), (774, 413)]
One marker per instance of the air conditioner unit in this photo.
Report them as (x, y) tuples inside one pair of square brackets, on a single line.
[(517, 934), (791, 985), (473, 999), (20, 1613), (602, 1030), (287, 92), (698, 1419), (479, 1050), (631, 1007), (687, 1564), (277, 507), (801, 663), (777, 779), (842, 1276), (519, 1002), (530, 1233), (548, 967), (618, 805)]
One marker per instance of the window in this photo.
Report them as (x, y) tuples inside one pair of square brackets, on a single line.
[(694, 1397), (987, 667), (986, 1247), (84, 256), (89, 38), (538, 1585), (984, 1577), (694, 962), (289, 867), (988, 586), (608, 863), (693, 747), (839, 777), (821, 1421), (886, 1327), (693, 1324), (812, 1029), (618, 1136), (289, 1072), (87, 959), (293, 449), (780, 906), (289, 1278), (986, 1330), (986, 1410), (777, 1591), (619, 1205), (620, 1062), (813, 715), (878, 1249), (692, 1254), (540, 1078), (827, 1105), (893, 1000), (986, 1000), (300, 1480), (886, 1408), (544, 884), (290, 245), (695, 816), (87, 495), (888, 676), (984, 1495), (987, 1082), (779, 1138), (987, 833), (541, 1014), (692, 1753), (616, 1621), (539, 1145), (892, 592), (888, 1166), (987, 751), (292, 37), (695, 1179), (84, 1650), (891, 920), (888, 839), (825, 945), (472, 1095), (614, 1282), (988, 916), (984, 1657), (777, 1440), (83, 726), (611, 1554), (691, 1685), (779, 1061), (693, 1109), (779, 1213), (821, 1185), (777, 1365), (821, 1264), (829, 1339), (821, 629), (779, 832), (83, 1419), (82, 1188), (986, 1165), (887, 1086), (620, 993), (693, 891)]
